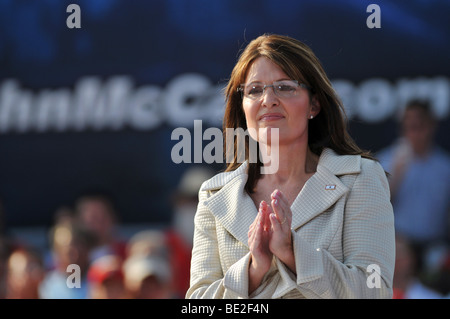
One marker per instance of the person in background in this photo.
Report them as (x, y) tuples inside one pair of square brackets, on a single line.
[(148, 271), (148, 243), (181, 234), (96, 212), (407, 281), (148, 277), (70, 244), (5, 249), (106, 280), (419, 181), (4, 252), (63, 215), (185, 201), (25, 272), (440, 277)]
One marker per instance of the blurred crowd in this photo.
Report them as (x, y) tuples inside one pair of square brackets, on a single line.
[(154, 263), (87, 258), (419, 178)]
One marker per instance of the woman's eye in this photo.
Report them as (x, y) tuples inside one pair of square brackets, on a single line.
[(286, 88), (255, 90)]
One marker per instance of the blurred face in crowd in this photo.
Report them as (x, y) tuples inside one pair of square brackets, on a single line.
[(184, 218), (25, 272), (153, 287), (98, 218), (405, 265), (418, 129), (69, 249), (110, 288), (106, 279)]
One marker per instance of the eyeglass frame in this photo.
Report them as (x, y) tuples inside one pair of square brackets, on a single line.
[(242, 86)]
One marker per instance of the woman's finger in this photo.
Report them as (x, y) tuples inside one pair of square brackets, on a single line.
[(255, 221), (281, 207), (277, 194), (276, 226), (279, 211), (265, 212), (258, 238)]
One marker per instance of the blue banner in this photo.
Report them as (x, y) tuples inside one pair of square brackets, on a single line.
[(90, 94)]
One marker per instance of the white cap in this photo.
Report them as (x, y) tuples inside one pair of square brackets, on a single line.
[(192, 179), (137, 268)]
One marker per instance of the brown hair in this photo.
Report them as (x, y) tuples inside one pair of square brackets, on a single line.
[(422, 106), (296, 59)]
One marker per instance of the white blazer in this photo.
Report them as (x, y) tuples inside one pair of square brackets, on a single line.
[(342, 227)]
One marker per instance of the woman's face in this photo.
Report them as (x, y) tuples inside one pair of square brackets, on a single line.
[(289, 114)]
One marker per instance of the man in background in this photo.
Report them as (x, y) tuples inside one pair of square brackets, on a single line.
[(419, 180)]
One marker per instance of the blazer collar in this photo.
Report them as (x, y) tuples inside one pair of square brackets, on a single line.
[(339, 164), (235, 209), (231, 205), (221, 179)]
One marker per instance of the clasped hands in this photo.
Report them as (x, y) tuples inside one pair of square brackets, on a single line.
[(269, 235)]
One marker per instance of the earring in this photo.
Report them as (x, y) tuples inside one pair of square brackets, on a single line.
[(311, 117)]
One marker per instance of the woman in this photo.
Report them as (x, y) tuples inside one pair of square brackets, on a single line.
[(321, 226)]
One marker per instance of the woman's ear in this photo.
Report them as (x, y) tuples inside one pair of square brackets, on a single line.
[(315, 106)]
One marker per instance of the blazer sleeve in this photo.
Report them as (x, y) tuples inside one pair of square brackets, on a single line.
[(207, 277), (206, 273), (368, 246), (208, 280)]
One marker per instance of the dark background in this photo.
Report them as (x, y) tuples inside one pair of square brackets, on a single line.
[(153, 42)]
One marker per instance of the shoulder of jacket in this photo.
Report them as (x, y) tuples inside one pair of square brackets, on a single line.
[(339, 164), (218, 181)]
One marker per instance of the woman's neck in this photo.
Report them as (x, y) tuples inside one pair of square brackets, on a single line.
[(295, 162)]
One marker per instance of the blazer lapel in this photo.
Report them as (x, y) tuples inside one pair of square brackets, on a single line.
[(319, 193), (235, 209), (232, 207), (324, 188)]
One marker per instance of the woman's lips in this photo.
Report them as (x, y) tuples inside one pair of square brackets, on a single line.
[(271, 117)]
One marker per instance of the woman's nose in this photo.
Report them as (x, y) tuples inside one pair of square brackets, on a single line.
[(269, 97)]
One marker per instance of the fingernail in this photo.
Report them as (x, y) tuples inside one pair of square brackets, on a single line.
[(275, 201), (276, 193)]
